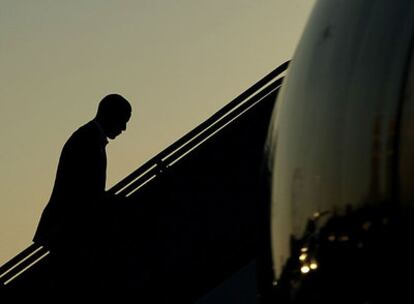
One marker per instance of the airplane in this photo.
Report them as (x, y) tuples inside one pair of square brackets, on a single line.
[(341, 157)]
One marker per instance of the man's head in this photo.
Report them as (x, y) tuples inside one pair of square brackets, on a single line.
[(114, 111)]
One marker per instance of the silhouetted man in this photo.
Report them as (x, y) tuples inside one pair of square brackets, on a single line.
[(73, 219)]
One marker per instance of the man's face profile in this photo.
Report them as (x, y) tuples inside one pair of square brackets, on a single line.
[(117, 125)]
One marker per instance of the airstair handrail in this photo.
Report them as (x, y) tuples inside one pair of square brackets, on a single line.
[(158, 159), (271, 82)]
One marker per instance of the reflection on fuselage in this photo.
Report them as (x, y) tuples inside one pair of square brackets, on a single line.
[(335, 154)]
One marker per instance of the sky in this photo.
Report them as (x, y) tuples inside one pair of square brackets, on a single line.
[(176, 61)]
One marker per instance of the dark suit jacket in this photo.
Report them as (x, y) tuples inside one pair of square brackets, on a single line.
[(70, 216)]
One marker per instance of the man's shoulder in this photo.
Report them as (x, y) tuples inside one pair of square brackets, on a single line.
[(89, 128), (86, 134)]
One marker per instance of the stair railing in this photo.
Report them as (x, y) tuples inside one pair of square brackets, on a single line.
[(162, 161)]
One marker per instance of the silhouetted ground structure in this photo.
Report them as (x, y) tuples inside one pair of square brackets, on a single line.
[(193, 215)]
